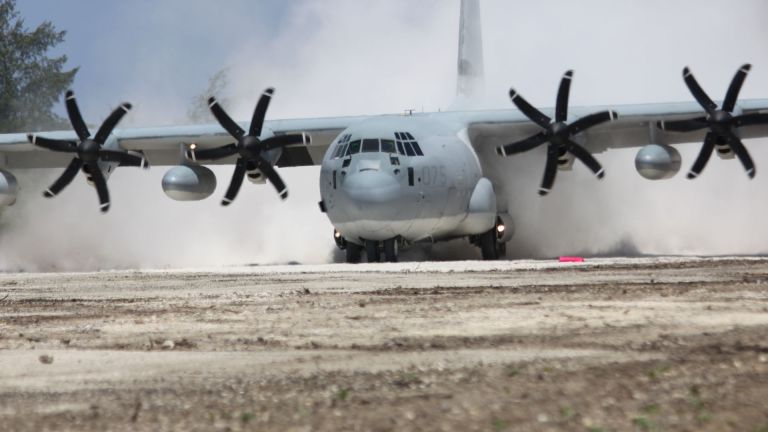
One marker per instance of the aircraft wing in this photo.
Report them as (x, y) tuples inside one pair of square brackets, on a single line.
[(163, 145), (635, 127)]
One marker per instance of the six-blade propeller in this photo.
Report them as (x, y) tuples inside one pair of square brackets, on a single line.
[(558, 133), (89, 151), (249, 147), (721, 122)]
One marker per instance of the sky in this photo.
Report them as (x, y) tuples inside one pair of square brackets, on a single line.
[(351, 57)]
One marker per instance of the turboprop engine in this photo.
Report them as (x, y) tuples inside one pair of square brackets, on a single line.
[(9, 187), (189, 182), (657, 161)]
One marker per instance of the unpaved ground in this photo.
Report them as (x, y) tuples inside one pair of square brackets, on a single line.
[(651, 344)]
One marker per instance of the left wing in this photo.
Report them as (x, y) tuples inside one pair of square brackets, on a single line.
[(162, 145)]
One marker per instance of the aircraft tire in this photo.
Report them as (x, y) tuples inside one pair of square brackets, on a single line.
[(372, 251), (354, 253), (488, 245), (390, 250)]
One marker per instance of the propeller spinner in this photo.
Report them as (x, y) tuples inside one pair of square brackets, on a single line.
[(249, 147), (558, 133), (721, 122), (89, 151)]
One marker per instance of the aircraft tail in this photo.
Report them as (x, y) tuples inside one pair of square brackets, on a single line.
[(470, 83)]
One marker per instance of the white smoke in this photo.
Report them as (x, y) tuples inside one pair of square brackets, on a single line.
[(344, 57)]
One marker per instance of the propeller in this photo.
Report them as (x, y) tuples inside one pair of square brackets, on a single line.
[(721, 122), (88, 150), (249, 147), (558, 133)]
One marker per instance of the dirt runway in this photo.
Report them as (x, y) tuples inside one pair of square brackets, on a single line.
[(611, 345)]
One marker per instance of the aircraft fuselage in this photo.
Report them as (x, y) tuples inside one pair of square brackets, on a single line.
[(405, 177)]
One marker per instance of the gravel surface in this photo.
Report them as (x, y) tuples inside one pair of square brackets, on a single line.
[(609, 345)]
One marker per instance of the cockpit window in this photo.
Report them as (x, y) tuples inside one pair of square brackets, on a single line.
[(387, 146), (408, 149), (370, 146), (407, 145), (354, 147), (341, 147)]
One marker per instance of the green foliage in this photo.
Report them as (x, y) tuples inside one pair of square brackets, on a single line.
[(643, 423), (499, 425), (246, 417), (30, 81)]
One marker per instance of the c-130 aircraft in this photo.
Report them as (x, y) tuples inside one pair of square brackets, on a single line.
[(391, 181)]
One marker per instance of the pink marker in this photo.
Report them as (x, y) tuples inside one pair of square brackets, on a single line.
[(567, 259)]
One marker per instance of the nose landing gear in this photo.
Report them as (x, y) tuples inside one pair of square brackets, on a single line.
[(374, 250)]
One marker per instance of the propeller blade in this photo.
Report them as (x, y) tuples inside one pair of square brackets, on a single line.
[(273, 178), (125, 159), (751, 119), (683, 125), (703, 157), (550, 170), (101, 187), (698, 93), (257, 121), (109, 124), (216, 153), (284, 140), (741, 152), (561, 108), (524, 145), (75, 117), (224, 119), (591, 120), (532, 113), (64, 179), (52, 144), (586, 157), (733, 90), (235, 183)]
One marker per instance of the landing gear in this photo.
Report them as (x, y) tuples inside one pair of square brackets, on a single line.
[(354, 252), (372, 251), (488, 242), (390, 250)]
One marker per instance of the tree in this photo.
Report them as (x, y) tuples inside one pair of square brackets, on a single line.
[(199, 112), (30, 81)]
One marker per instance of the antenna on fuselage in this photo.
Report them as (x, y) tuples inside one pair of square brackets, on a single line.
[(470, 83)]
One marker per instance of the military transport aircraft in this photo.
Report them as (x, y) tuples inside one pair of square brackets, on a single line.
[(390, 181)]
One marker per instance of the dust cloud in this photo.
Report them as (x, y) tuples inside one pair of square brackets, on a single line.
[(345, 57)]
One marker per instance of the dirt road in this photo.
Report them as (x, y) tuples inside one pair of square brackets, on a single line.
[(641, 344)]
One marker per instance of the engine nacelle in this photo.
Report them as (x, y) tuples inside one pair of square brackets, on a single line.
[(256, 177), (189, 182), (9, 188), (657, 161)]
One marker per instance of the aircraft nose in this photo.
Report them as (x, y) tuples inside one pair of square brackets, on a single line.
[(371, 188)]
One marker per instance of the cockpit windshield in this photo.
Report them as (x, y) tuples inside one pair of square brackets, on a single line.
[(370, 146), (388, 146), (405, 145), (354, 147)]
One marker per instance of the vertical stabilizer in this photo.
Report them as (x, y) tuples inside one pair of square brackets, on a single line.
[(470, 80)]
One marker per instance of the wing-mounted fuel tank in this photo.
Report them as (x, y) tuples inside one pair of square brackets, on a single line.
[(657, 161), (9, 188), (189, 181)]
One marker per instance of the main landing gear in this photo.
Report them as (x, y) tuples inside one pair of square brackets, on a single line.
[(489, 244)]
